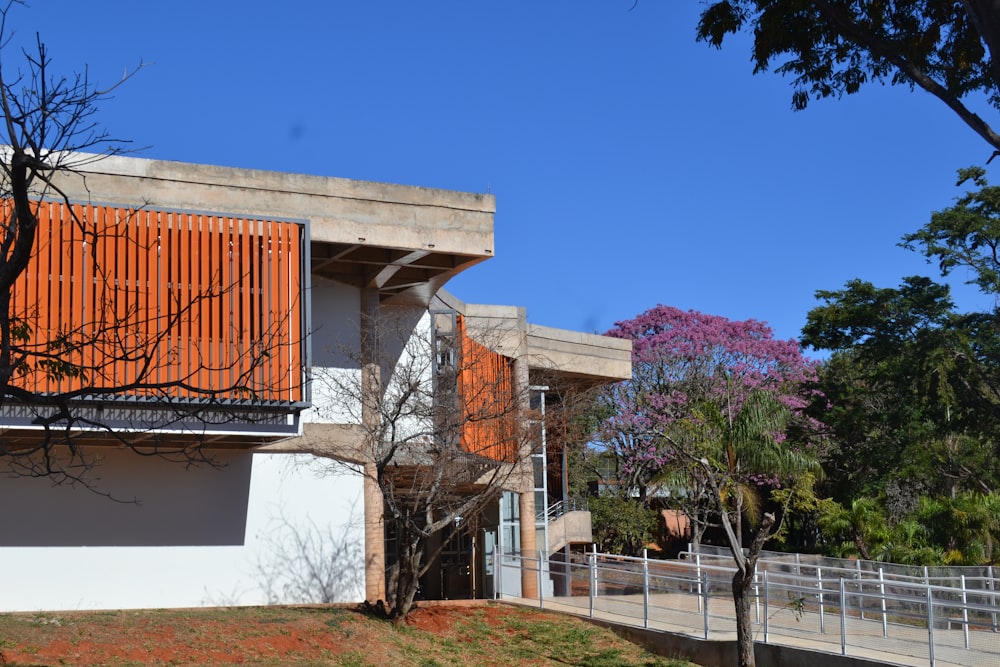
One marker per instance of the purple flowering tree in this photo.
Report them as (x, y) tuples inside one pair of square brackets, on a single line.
[(683, 361)]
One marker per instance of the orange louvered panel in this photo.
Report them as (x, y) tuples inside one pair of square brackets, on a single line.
[(489, 424), (162, 304)]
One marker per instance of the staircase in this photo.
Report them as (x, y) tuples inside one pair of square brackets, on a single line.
[(568, 524)]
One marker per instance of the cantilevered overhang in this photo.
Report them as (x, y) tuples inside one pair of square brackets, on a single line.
[(552, 355), (578, 357), (404, 241)]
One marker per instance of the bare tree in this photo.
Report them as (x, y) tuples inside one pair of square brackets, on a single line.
[(445, 431), (82, 327)]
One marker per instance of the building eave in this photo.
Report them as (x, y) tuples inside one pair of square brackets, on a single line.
[(405, 241)]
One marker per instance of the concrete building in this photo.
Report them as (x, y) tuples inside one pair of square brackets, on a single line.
[(227, 294)]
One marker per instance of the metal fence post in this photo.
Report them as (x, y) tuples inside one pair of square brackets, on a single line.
[(930, 624), (703, 585), (861, 590), (645, 589), (766, 596), (881, 590), (756, 593), (993, 597), (541, 594), (843, 617), (965, 612), (592, 578), (822, 611), (698, 573)]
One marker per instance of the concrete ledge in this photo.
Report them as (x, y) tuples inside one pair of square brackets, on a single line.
[(723, 653)]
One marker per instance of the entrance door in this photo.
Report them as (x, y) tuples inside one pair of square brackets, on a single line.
[(487, 567)]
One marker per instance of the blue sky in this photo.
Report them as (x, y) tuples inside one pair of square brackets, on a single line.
[(631, 165)]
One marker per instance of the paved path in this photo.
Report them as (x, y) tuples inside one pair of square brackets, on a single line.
[(904, 645)]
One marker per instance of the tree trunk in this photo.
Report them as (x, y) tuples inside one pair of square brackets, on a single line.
[(407, 580), (697, 531), (742, 596), (746, 568)]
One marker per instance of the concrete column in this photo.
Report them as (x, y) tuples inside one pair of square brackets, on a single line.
[(525, 482), (371, 390)]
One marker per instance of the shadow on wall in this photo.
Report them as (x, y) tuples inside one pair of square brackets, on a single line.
[(301, 562), (163, 503), (336, 339)]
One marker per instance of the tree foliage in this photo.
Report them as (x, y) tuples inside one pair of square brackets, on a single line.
[(682, 360), (959, 530), (836, 47), (909, 390), (966, 235), (730, 446), (622, 525)]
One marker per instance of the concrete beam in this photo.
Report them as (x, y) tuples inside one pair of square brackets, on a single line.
[(583, 355), (452, 230), (340, 210)]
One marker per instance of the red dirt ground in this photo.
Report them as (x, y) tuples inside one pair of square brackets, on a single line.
[(270, 635)]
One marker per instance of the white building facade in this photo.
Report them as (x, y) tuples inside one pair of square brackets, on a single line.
[(282, 512)]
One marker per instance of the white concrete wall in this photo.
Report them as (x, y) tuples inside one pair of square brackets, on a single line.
[(408, 352), (262, 529), (259, 529), (335, 338), (405, 353)]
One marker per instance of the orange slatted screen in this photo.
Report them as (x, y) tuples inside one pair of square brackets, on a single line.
[(162, 304), (489, 425)]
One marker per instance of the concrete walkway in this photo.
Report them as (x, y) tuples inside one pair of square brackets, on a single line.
[(679, 614)]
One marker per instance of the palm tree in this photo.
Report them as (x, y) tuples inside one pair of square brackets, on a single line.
[(736, 444), (860, 530), (966, 526)]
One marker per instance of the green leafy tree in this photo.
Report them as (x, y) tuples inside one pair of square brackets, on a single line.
[(966, 235), (908, 390), (622, 525), (965, 528), (959, 530), (832, 48)]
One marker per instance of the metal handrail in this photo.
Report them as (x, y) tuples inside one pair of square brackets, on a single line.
[(838, 608), (561, 507)]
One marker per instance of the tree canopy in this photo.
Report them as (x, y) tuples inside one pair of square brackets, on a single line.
[(680, 360), (836, 47), (908, 390), (966, 235)]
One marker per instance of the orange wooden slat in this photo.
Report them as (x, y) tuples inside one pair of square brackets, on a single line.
[(488, 415), (249, 314), (210, 262), (279, 379), (201, 320), (141, 337), (193, 293), (43, 312), (185, 323), (295, 292), (26, 306)]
